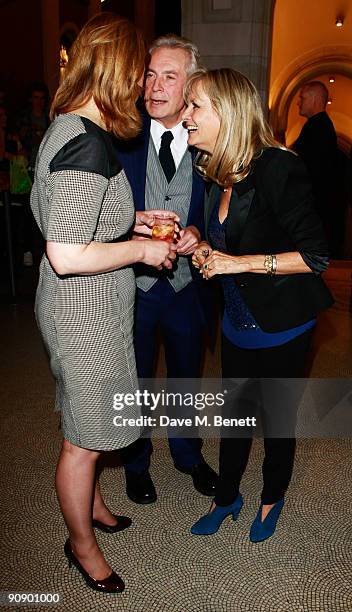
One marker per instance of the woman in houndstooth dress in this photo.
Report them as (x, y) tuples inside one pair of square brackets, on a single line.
[(83, 205)]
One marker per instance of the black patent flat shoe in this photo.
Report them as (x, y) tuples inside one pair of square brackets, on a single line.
[(123, 522), (111, 584)]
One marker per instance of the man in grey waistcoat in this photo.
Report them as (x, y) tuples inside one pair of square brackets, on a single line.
[(159, 167)]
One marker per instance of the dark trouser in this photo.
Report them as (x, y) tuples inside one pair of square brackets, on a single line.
[(285, 361), (179, 318)]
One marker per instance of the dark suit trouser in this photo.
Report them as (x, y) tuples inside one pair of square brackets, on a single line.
[(180, 319), (285, 361)]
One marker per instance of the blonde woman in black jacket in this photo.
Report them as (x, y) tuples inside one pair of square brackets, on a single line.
[(266, 244)]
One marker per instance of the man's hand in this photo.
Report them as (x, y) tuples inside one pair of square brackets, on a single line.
[(145, 220), (189, 240)]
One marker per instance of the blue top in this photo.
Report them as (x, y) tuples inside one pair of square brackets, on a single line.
[(239, 325)]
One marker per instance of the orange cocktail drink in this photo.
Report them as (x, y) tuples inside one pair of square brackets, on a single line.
[(163, 229)]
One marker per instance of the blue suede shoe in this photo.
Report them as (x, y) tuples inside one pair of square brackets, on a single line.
[(262, 530), (210, 523)]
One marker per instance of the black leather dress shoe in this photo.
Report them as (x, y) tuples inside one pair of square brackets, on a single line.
[(140, 488), (203, 476), (123, 522)]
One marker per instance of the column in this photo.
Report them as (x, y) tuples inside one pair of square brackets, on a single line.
[(144, 15), (51, 43), (94, 8), (233, 33)]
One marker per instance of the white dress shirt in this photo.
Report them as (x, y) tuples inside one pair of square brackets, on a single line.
[(178, 145)]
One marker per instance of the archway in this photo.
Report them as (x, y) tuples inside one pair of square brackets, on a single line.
[(307, 45), (305, 48), (284, 91)]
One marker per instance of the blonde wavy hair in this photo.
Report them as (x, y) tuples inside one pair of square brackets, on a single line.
[(243, 132), (105, 62)]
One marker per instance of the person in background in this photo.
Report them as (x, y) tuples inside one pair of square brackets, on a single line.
[(14, 179), (158, 165), (34, 121), (83, 205), (4, 151), (266, 244), (32, 124), (317, 146)]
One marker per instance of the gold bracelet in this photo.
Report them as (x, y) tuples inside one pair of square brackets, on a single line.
[(268, 264)]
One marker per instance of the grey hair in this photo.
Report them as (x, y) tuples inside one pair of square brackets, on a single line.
[(173, 41)]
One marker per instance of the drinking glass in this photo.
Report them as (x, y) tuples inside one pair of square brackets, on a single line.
[(163, 228)]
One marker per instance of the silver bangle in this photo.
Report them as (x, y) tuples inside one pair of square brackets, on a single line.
[(274, 265)]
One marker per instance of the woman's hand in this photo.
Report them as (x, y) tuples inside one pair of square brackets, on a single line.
[(159, 254), (222, 263), (145, 220), (202, 251)]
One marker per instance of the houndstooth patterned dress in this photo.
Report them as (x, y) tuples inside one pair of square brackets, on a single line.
[(81, 194)]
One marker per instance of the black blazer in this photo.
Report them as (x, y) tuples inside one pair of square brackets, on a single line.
[(270, 212)]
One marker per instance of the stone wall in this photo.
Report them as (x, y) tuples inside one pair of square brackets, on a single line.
[(232, 33)]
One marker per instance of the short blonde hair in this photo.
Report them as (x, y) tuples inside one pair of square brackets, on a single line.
[(105, 62), (243, 130)]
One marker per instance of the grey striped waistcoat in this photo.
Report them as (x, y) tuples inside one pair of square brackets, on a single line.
[(175, 196)]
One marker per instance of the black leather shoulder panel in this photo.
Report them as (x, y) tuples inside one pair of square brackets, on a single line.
[(91, 151)]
